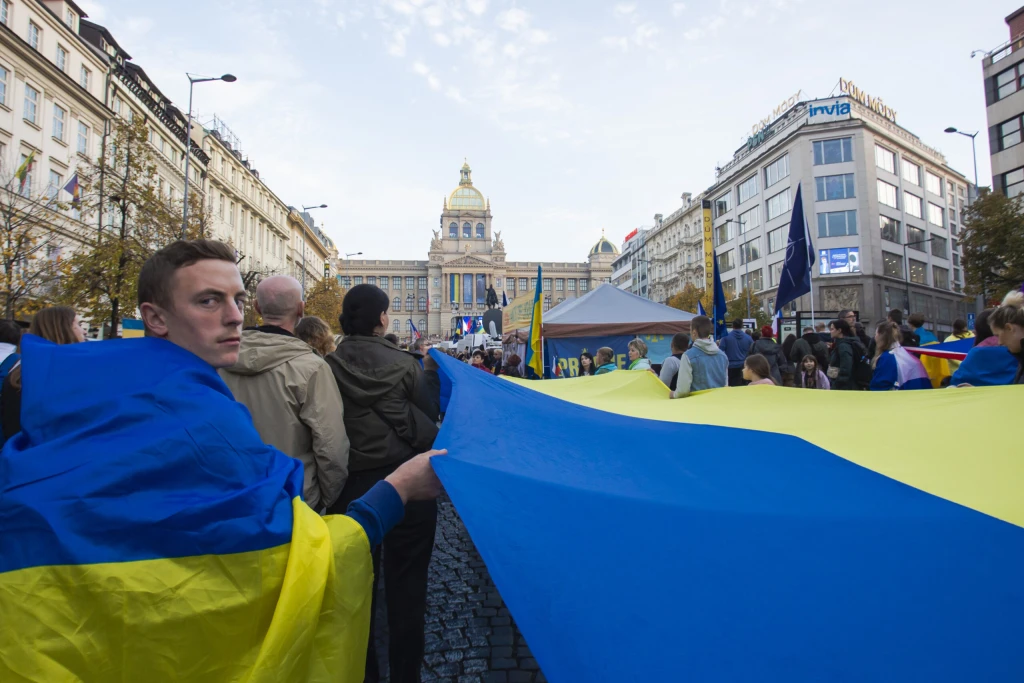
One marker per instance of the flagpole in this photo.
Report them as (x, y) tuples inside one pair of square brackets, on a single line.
[(811, 259)]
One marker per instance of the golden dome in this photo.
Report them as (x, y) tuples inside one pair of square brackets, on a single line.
[(466, 197), (603, 246)]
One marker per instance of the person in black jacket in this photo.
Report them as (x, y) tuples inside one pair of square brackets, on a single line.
[(769, 348), (847, 352), (809, 344), (389, 419)]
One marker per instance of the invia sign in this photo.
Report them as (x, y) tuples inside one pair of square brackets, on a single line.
[(837, 108)]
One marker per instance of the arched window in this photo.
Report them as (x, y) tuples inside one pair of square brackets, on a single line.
[(396, 326), (421, 325), (479, 231), (467, 230), (396, 304), (453, 229), (422, 304)]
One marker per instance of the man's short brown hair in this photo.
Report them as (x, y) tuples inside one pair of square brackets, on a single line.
[(701, 326), (155, 278)]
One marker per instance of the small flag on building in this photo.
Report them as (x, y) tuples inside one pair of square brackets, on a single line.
[(75, 190), (22, 173)]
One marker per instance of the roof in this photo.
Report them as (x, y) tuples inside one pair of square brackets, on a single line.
[(466, 197), (603, 246), (102, 31), (608, 310)]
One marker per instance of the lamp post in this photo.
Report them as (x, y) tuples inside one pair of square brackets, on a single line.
[(746, 263), (974, 154), (906, 265), (305, 209), (348, 256), (192, 80)]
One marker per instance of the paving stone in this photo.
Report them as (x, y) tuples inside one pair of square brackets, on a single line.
[(500, 663), (473, 666), (472, 678), (520, 677), (448, 669), (501, 652), (529, 663), (496, 677)]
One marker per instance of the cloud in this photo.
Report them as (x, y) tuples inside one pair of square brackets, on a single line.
[(513, 20), (339, 20), (433, 16), (624, 9), (442, 39), (693, 34), (453, 93), (537, 36), (645, 33), (396, 42), (513, 50), (476, 7), (678, 8), (616, 42), (423, 70), (419, 67)]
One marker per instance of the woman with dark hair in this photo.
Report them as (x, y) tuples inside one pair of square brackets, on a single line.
[(847, 352), (587, 366), (756, 370), (766, 345), (59, 324), (987, 364), (512, 364), (387, 418), (895, 367)]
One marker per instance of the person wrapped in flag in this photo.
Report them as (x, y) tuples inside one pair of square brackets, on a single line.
[(894, 366), (149, 533)]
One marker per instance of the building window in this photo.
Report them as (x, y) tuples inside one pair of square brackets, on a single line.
[(776, 241), (889, 228), (396, 326), (497, 283), (31, 100), (837, 223), (396, 282), (84, 78), (940, 277), (5, 12), (421, 283), (723, 204), (1011, 183), (911, 172), (775, 274), (572, 285), (887, 194), (396, 304), (776, 171), (729, 289), (915, 238), (1006, 83), (935, 216), (893, 264), (750, 251), (933, 183), (56, 182), (467, 230), (421, 305), (345, 281), (33, 35), (358, 279), (834, 187), (479, 231), (779, 204), (839, 261), (410, 283), (3, 85), (750, 219), (58, 122), (383, 282), (453, 230), (220, 207), (834, 151), (885, 159), (753, 281), (725, 232), (1009, 133), (83, 142), (726, 261), (62, 59), (546, 285), (559, 284), (939, 245), (912, 205), (371, 280), (747, 189), (918, 272)]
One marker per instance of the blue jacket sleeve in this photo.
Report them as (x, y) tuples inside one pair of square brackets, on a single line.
[(377, 511), (886, 374)]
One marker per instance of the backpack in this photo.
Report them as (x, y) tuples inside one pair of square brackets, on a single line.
[(862, 370), (5, 369)]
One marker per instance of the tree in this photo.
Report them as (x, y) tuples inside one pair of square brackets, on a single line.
[(102, 279), (687, 299), (324, 301), (34, 231), (251, 279), (737, 308), (993, 244)]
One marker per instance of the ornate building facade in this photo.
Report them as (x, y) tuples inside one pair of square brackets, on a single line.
[(466, 257)]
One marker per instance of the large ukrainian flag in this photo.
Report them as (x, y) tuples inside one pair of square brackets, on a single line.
[(746, 534), (147, 534)]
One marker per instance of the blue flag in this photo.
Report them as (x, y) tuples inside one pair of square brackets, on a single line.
[(718, 304), (795, 280), (504, 299), (700, 309)]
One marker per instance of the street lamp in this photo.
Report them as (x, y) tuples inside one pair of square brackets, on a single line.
[(746, 263), (192, 80), (906, 264), (307, 208), (974, 152)]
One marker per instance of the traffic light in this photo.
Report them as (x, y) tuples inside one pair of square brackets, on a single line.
[(327, 268)]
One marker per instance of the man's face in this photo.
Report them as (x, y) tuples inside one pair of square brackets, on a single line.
[(206, 312), (851, 318)]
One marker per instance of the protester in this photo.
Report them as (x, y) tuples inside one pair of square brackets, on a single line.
[(605, 360), (787, 346), (823, 334), (290, 391), (767, 347), (924, 337), (496, 363), (987, 363), (861, 333), (736, 346), (315, 332), (587, 366), (58, 324), (756, 370), (907, 336), (790, 369), (393, 338), (847, 353), (811, 376), (479, 360), (894, 366), (809, 344), (386, 417), (703, 365), (670, 366), (10, 338), (430, 389), (1007, 322), (960, 332), (512, 366), (849, 316), (637, 351)]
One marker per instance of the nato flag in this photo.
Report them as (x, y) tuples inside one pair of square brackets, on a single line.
[(795, 280), (718, 305)]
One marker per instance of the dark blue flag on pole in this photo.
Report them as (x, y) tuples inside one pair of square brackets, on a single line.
[(718, 304), (796, 271)]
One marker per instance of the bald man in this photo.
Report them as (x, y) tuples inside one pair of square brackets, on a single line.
[(291, 393)]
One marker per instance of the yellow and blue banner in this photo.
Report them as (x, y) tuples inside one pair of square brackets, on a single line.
[(148, 534), (535, 344), (132, 328), (565, 351), (738, 535)]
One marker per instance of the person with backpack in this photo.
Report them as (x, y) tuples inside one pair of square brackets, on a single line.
[(809, 344), (847, 353), (770, 349)]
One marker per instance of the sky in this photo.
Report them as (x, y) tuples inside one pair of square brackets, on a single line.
[(576, 116)]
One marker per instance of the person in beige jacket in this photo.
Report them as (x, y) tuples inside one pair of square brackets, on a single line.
[(291, 392)]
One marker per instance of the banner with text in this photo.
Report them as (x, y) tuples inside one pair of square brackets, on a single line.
[(568, 350)]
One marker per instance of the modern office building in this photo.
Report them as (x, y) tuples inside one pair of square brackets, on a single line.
[(1004, 101), (464, 259), (883, 211), (631, 270)]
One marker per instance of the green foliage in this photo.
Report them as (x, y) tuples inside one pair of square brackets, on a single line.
[(324, 301), (737, 308), (993, 244), (687, 299)]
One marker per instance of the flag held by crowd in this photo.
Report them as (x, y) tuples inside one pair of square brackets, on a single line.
[(795, 280)]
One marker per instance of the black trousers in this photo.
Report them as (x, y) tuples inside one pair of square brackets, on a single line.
[(736, 378), (406, 557)]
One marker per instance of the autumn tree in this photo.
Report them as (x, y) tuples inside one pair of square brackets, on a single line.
[(993, 244), (137, 220), (687, 299), (324, 301), (737, 309)]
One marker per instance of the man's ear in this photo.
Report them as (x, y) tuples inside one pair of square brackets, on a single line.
[(256, 305), (302, 309), (155, 319)]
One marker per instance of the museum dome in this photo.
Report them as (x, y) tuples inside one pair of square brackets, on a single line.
[(603, 246), (466, 197)]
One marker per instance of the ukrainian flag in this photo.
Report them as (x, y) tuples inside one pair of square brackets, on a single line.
[(147, 534), (535, 346), (746, 534)]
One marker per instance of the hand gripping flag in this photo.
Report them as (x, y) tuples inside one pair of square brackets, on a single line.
[(795, 280), (149, 535), (644, 550)]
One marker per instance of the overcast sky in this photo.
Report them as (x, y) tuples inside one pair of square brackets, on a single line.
[(576, 116)]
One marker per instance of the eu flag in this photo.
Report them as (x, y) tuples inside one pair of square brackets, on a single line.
[(718, 305), (795, 280)]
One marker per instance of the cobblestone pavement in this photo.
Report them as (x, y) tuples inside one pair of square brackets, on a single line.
[(470, 635)]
